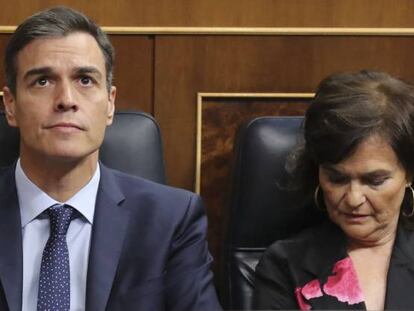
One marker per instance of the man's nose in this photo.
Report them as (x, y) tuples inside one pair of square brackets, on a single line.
[(354, 195), (65, 99)]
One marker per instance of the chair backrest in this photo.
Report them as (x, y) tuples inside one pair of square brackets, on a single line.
[(261, 211), (132, 144)]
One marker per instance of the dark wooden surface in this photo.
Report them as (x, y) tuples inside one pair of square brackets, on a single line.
[(229, 13), (134, 72)]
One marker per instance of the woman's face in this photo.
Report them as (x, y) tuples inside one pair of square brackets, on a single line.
[(363, 193)]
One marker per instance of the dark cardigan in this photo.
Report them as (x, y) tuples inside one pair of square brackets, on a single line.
[(313, 271)]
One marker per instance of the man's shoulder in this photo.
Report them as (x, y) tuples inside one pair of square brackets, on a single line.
[(137, 185), (162, 208), (7, 171), (7, 176), (145, 196)]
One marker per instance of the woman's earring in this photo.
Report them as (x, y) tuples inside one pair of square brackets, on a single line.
[(412, 203)]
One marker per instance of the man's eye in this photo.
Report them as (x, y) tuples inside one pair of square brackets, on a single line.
[(42, 82), (86, 81)]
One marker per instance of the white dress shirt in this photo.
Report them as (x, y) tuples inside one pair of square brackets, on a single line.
[(35, 228)]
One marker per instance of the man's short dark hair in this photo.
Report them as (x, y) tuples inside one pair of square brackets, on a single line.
[(54, 22)]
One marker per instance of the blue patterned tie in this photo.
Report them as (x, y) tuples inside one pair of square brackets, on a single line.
[(54, 281)]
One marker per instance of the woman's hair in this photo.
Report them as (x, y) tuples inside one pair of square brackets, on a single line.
[(348, 108)]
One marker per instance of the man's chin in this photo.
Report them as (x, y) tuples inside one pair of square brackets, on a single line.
[(72, 157)]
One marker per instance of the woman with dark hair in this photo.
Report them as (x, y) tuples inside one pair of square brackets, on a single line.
[(357, 163)]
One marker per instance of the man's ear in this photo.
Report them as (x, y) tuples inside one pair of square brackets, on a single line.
[(9, 101), (111, 105)]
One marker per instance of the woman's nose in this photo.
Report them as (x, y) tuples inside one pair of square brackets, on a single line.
[(354, 195)]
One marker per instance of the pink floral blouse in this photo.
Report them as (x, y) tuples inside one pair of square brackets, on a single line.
[(342, 284)]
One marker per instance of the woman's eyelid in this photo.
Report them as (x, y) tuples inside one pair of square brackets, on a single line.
[(333, 173), (376, 180), (340, 180), (337, 177)]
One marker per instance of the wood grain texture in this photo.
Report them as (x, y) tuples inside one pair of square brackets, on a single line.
[(228, 13), (134, 72), (186, 65), (3, 41)]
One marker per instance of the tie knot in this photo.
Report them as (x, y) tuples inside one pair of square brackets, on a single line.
[(60, 217)]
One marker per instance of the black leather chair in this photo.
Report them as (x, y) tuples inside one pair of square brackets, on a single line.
[(261, 211), (132, 144)]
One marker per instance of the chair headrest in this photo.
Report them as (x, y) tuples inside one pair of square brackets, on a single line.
[(262, 210), (132, 144)]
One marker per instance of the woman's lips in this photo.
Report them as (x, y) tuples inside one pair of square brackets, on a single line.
[(355, 217)]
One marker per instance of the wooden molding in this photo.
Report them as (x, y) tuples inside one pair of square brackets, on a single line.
[(7, 29), (202, 96), (262, 31)]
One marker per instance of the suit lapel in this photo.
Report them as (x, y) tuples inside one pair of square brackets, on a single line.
[(11, 258), (109, 227)]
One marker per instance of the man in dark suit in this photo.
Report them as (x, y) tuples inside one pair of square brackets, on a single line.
[(75, 235)]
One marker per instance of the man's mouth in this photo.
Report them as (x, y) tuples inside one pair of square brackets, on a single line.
[(65, 126)]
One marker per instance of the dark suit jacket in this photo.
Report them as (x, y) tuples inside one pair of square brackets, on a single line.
[(148, 248), (308, 259)]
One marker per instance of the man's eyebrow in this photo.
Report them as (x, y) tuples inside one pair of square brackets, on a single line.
[(37, 72), (88, 70), (49, 71)]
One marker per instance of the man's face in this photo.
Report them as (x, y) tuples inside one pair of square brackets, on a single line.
[(62, 105)]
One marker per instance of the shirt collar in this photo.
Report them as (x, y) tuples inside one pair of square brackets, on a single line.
[(33, 201)]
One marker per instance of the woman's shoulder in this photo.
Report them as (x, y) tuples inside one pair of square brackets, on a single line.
[(290, 263), (325, 235), (315, 249)]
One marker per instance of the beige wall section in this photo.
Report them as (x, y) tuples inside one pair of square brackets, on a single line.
[(228, 13)]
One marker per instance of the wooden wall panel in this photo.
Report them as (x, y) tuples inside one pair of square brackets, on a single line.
[(221, 118), (186, 65), (228, 13), (3, 41), (133, 73)]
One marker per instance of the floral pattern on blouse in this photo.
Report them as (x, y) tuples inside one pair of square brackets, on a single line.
[(308, 291), (342, 284)]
